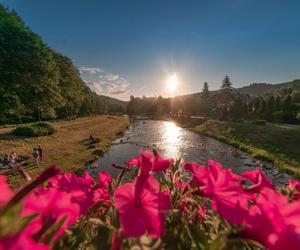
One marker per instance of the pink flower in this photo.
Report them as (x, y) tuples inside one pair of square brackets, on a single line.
[(103, 180), (222, 186), (70, 181), (21, 242), (100, 190), (142, 207), (274, 221), (294, 188), (51, 205), (200, 174), (181, 185), (200, 213), (259, 180), (78, 187), (6, 192), (150, 162)]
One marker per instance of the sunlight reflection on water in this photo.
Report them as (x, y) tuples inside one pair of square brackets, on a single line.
[(171, 139)]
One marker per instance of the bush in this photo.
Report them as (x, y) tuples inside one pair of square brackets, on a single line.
[(24, 131), (34, 130), (44, 125), (260, 122), (214, 126)]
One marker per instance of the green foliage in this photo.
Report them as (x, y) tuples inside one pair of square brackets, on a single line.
[(296, 96), (268, 142), (36, 82), (34, 130), (259, 122), (226, 84)]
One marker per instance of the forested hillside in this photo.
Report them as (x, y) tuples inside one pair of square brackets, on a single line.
[(36, 82), (277, 103)]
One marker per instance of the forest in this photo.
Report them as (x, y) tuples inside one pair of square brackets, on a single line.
[(36, 82), (282, 105)]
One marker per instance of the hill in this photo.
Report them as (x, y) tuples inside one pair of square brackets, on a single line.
[(115, 105), (258, 89), (36, 82)]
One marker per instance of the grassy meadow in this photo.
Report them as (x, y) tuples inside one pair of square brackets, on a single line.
[(69, 147), (268, 142)]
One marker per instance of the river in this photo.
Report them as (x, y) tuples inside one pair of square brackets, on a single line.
[(176, 142)]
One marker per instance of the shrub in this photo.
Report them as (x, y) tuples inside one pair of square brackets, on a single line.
[(24, 131), (260, 122), (34, 130), (214, 126), (44, 126)]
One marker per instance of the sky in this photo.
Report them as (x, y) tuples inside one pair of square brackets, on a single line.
[(132, 47)]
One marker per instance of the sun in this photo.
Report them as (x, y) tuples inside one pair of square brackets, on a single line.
[(172, 83)]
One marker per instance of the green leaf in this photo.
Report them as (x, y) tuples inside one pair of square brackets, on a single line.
[(49, 234)]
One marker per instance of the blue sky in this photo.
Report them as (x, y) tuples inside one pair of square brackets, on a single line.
[(130, 47)]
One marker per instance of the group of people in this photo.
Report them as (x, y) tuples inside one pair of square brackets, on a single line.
[(38, 154), (11, 159)]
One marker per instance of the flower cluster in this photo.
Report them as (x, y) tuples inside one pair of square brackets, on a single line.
[(169, 204), (41, 212)]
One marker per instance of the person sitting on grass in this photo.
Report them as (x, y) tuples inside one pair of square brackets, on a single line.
[(6, 160), (13, 159)]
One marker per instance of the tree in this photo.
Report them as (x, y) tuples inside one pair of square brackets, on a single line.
[(262, 108), (226, 84), (11, 106), (17, 108), (205, 90), (238, 108), (205, 104), (287, 104), (296, 96), (39, 80), (225, 95), (278, 103), (270, 108)]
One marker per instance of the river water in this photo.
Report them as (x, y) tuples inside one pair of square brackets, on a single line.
[(176, 142)]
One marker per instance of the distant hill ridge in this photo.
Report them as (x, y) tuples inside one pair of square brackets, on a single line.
[(256, 89)]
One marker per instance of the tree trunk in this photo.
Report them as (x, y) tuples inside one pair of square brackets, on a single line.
[(39, 113)]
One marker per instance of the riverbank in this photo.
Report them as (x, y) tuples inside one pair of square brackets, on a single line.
[(70, 147), (266, 142)]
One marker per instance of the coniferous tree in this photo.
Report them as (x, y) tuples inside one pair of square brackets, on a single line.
[(278, 103), (205, 105), (205, 90), (225, 95), (226, 84)]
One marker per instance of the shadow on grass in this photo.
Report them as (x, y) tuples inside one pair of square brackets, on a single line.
[(10, 136)]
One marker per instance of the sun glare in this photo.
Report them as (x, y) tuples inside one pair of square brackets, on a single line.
[(172, 82)]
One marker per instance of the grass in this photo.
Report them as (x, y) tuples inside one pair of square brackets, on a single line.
[(276, 144), (69, 147)]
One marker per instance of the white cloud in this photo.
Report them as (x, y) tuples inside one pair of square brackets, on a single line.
[(111, 77), (103, 83), (94, 87), (88, 70)]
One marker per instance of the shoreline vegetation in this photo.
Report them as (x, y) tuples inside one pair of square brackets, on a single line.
[(70, 147), (268, 142)]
